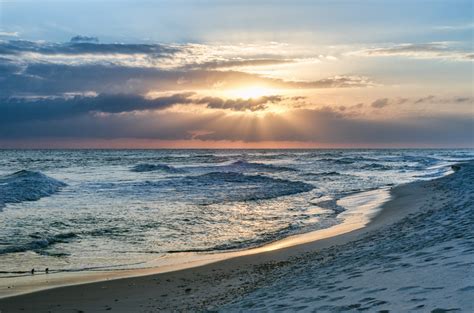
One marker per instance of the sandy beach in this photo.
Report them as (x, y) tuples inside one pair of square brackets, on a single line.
[(415, 255)]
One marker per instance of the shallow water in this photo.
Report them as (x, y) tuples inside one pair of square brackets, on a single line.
[(94, 209)]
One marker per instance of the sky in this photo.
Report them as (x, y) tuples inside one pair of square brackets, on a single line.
[(236, 74)]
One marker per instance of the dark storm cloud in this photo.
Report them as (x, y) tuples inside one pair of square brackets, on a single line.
[(44, 79), (312, 125), (54, 79), (333, 127), (169, 126), (75, 117), (13, 110)]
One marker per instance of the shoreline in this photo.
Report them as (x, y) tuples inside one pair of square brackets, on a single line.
[(356, 216), (240, 271)]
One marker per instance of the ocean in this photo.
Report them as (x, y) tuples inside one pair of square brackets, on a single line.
[(79, 210)]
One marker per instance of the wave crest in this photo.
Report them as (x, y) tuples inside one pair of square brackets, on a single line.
[(156, 168), (27, 185), (232, 186), (261, 166), (39, 243)]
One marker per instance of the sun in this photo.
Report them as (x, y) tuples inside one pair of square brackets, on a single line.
[(250, 92)]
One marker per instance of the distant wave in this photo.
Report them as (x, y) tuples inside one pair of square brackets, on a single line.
[(272, 156), (156, 168), (39, 243), (348, 160), (209, 187), (332, 173), (218, 187), (261, 166), (27, 186), (424, 160), (376, 166), (209, 158), (245, 166), (197, 158)]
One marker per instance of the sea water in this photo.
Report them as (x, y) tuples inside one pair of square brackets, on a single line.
[(76, 210)]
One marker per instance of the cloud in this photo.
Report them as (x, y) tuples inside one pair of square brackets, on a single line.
[(433, 50), (8, 34), (83, 50), (380, 103), (14, 110), (80, 38), (37, 52), (44, 79), (45, 68), (253, 104), (85, 89), (324, 126), (463, 99), (460, 27), (232, 63), (329, 126), (429, 98), (398, 102)]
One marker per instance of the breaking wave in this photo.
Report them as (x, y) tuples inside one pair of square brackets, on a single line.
[(27, 185), (376, 166), (232, 186), (348, 160), (245, 166), (333, 173), (39, 243), (156, 168), (261, 166)]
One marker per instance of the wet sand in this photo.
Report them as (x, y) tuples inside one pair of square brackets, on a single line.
[(393, 262)]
